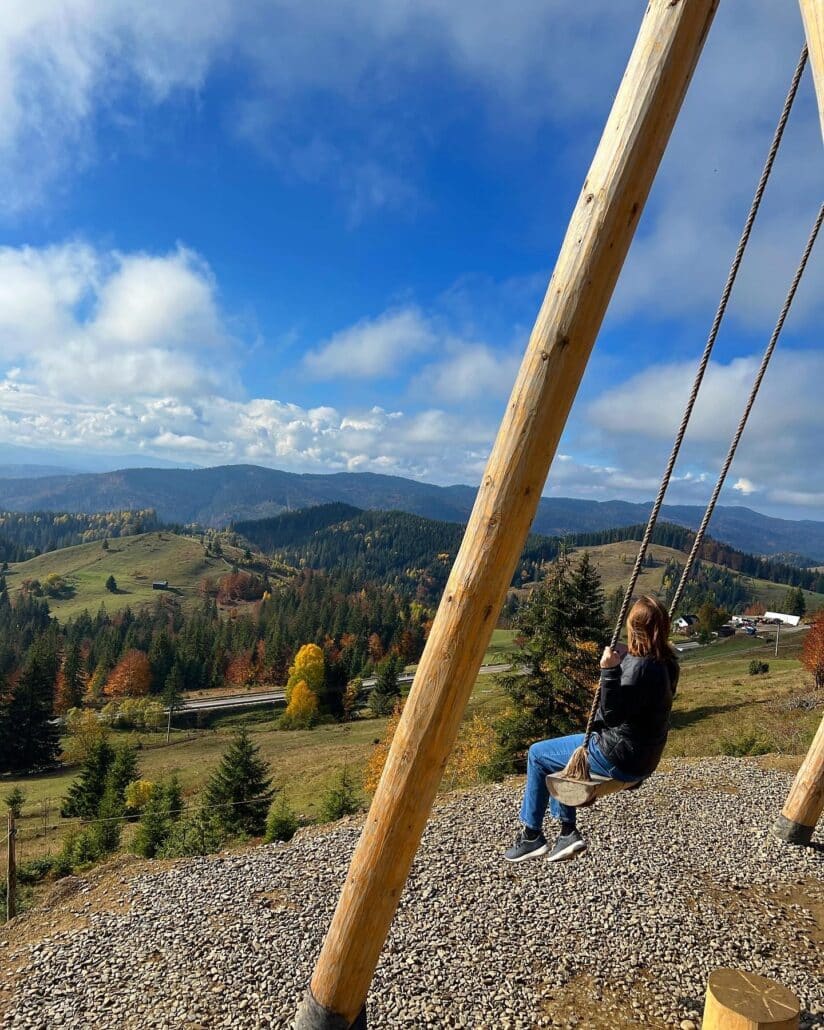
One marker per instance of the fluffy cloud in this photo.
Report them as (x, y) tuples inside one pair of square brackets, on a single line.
[(778, 461), (468, 372), (83, 323), (373, 348)]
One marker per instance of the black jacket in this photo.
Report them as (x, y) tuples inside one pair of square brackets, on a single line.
[(634, 714)]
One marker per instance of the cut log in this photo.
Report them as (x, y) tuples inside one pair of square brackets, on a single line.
[(805, 802), (602, 226), (746, 1001)]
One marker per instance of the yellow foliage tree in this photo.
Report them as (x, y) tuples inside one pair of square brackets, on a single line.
[(302, 710), (308, 667), (84, 730), (137, 794)]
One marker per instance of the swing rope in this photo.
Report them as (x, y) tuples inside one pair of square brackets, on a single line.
[(578, 766), (699, 536)]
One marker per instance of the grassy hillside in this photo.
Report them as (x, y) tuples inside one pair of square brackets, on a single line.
[(615, 561), (134, 562)]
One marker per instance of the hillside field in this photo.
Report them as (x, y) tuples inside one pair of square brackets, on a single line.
[(615, 561), (134, 561), (719, 709)]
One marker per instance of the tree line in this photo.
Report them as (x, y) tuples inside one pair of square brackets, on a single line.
[(24, 535)]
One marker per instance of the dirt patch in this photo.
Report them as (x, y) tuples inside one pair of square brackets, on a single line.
[(582, 1003)]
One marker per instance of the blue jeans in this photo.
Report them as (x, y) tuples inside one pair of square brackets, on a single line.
[(547, 756)]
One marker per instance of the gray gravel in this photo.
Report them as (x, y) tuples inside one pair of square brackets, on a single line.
[(680, 878)]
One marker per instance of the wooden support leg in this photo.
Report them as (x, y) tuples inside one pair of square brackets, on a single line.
[(670, 39), (745, 1001), (812, 12), (805, 802)]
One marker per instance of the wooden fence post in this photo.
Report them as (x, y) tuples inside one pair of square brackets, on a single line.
[(746, 1001), (670, 39), (11, 872), (805, 802)]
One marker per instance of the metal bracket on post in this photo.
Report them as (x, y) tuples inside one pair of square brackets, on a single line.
[(314, 1016)]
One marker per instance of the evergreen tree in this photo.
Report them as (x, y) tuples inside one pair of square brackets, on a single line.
[(162, 810), (386, 691), (86, 793), (240, 788), (111, 585), (795, 603), (587, 603), (27, 732), (553, 695), (72, 678)]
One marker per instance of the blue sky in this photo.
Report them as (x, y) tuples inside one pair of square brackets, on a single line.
[(315, 237)]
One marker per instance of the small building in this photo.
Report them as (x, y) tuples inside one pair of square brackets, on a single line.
[(160, 584), (785, 620), (686, 623)]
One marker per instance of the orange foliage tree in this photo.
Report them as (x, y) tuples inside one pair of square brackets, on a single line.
[(131, 677), (813, 654), (241, 670)]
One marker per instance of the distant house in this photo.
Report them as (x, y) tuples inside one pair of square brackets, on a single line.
[(686, 623), (160, 584), (776, 617)]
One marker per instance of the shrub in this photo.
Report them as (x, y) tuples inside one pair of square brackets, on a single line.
[(200, 834), (35, 870), (757, 667), (340, 799), (745, 743), (282, 823)]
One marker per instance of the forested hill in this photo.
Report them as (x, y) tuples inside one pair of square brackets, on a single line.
[(217, 496), (414, 554)]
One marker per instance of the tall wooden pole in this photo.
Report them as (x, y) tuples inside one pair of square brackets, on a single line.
[(602, 226), (805, 802), (812, 13), (11, 872)]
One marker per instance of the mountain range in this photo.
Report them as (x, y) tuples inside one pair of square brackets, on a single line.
[(224, 494)]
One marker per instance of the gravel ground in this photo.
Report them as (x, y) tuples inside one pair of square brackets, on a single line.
[(680, 878)]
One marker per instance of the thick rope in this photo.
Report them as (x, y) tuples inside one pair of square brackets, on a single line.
[(768, 353), (578, 766)]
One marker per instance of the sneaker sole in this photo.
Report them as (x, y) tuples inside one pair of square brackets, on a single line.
[(569, 852), (537, 853)]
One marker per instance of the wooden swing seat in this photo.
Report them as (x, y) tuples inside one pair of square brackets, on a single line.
[(580, 793)]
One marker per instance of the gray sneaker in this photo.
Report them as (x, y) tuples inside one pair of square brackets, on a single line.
[(567, 846), (525, 847)]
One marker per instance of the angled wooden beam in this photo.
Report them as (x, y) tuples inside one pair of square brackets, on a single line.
[(669, 42), (812, 13), (805, 802)]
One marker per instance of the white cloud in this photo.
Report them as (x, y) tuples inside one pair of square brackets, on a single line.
[(372, 348), (744, 486), (468, 371), (88, 324)]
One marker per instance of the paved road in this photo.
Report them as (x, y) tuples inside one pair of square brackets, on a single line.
[(269, 697)]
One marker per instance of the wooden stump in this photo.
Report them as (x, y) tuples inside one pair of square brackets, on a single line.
[(745, 1001)]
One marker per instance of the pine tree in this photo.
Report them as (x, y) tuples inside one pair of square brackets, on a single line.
[(587, 620), (86, 793), (554, 694), (162, 810), (29, 735), (387, 691), (240, 788), (111, 585)]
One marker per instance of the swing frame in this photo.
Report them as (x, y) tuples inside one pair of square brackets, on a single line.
[(669, 43)]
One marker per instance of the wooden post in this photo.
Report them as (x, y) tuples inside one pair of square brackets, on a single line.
[(602, 226), (745, 1001), (11, 872), (805, 802), (812, 13)]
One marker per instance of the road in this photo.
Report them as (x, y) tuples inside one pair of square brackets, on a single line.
[(268, 697)]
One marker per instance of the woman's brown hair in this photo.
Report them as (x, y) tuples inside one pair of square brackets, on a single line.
[(648, 630)]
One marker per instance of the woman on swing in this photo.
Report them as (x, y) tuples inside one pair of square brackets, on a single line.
[(638, 684)]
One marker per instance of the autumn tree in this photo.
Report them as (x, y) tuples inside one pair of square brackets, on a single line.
[(84, 731), (352, 697), (309, 667), (302, 710), (380, 752), (812, 656), (131, 677)]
